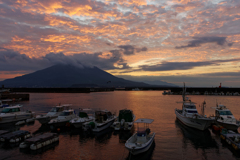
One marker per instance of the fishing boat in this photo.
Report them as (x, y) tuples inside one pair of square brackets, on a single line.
[(189, 115), (231, 138), (63, 119), (103, 120), (225, 118), (14, 114), (53, 113), (142, 140), (125, 120), (84, 115)]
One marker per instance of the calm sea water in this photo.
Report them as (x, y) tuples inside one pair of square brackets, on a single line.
[(173, 140)]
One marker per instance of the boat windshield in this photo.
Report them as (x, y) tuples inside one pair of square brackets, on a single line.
[(54, 110), (9, 110), (225, 113), (189, 111), (65, 113)]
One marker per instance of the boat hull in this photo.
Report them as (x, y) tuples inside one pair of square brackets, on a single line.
[(197, 123), (103, 126), (45, 119), (139, 150), (229, 126), (15, 118)]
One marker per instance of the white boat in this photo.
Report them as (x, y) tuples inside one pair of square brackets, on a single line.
[(103, 120), (225, 118), (53, 113), (125, 120), (85, 115), (189, 115), (142, 140), (14, 114), (63, 119)]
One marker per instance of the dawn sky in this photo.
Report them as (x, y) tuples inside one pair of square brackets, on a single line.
[(176, 41)]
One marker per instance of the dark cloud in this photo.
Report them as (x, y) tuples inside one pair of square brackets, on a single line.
[(167, 66), (130, 50), (14, 61), (198, 41)]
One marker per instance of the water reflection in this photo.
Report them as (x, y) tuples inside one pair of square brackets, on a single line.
[(199, 139), (123, 135)]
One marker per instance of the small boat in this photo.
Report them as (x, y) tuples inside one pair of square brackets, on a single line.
[(39, 141), (62, 119), (15, 137), (189, 115), (142, 140), (14, 114), (103, 120), (125, 120), (225, 118), (85, 115), (53, 113), (231, 138)]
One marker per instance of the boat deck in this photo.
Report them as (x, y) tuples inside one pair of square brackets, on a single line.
[(41, 138), (19, 133)]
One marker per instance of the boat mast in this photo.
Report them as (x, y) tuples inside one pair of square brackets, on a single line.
[(183, 94)]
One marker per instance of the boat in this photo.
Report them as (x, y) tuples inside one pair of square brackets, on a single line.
[(84, 115), (142, 140), (39, 141), (225, 118), (15, 137), (103, 120), (63, 119), (53, 113), (189, 115), (14, 114), (231, 138), (125, 120)]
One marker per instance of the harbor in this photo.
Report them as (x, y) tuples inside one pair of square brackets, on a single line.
[(171, 136)]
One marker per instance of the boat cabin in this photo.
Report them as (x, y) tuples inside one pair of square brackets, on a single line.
[(57, 109), (67, 113), (85, 113), (11, 109), (143, 130), (126, 114), (103, 115)]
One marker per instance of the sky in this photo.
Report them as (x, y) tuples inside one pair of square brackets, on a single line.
[(175, 41)]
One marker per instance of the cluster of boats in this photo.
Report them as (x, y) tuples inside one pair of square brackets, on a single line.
[(223, 121), (87, 120), (99, 120)]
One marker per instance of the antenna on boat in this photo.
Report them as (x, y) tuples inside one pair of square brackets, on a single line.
[(184, 90)]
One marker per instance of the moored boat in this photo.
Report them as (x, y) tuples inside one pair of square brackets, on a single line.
[(125, 120), (103, 120), (84, 115), (189, 115), (15, 137), (142, 140), (225, 118), (231, 138), (39, 141), (53, 113), (62, 119), (14, 114)]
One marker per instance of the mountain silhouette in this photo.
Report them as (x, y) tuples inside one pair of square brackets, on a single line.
[(70, 76)]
